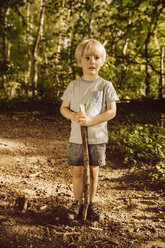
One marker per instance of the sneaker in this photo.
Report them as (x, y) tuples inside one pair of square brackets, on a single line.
[(94, 213), (75, 211)]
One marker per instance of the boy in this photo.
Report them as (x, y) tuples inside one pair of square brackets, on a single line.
[(99, 98)]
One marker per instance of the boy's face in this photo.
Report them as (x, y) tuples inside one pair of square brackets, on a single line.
[(90, 64)]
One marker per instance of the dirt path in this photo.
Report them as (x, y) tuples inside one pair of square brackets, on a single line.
[(33, 163)]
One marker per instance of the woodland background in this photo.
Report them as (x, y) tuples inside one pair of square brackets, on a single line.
[(38, 39), (37, 43)]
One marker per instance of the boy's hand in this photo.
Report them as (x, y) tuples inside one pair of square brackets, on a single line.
[(82, 119)]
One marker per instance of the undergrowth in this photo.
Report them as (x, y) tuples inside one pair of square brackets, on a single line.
[(142, 146)]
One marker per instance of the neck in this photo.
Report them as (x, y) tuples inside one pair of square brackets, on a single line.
[(90, 78)]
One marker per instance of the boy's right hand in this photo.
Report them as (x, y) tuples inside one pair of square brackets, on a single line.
[(82, 119), (79, 117)]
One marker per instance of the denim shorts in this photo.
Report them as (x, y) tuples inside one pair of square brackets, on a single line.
[(96, 154)]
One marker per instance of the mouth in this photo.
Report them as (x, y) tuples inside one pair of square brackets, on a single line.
[(92, 68)]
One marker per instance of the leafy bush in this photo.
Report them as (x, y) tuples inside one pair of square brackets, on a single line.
[(141, 145)]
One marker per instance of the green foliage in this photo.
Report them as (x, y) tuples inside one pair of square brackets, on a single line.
[(159, 171), (141, 145), (132, 32)]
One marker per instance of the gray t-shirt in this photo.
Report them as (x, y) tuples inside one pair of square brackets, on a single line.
[(94, 95)]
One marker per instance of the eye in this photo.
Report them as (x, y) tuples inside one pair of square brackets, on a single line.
[(87, 58), (96, 58)]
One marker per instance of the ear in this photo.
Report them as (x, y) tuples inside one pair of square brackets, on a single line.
[(79, 63)]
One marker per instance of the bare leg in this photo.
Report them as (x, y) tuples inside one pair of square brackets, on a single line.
[(94, 172), (78, 183)]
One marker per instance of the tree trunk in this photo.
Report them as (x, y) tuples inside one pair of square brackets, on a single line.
[(124, 68), (90, 18), (60, 39), (61, 20), (4, 45), (161, 81), (73, 32), (153, 24), (35, 48), (28, 73), (147, 79)]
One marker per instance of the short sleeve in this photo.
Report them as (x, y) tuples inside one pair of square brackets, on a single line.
[(66, 97), (111, 94)]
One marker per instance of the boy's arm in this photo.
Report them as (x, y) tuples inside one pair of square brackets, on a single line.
[(67, 113), (109, 114), (83, 120)]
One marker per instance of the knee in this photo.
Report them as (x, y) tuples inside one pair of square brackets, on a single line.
[(94, 171), (78, 172)]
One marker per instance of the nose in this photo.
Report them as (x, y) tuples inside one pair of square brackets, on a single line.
[(92, 60)]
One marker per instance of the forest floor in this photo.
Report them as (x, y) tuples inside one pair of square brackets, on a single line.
[(34, 168)]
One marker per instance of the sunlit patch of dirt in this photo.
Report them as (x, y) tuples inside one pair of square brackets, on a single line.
[(34, 168)]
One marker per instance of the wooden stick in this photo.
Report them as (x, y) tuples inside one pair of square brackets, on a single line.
[(86, 167)]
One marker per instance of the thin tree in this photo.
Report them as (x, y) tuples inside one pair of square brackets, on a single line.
[(161, 81), (34, 71)]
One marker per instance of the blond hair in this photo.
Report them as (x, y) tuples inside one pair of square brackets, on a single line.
[(90, 46)]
